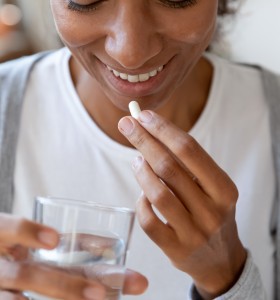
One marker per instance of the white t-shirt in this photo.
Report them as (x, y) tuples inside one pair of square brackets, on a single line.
[(61, 152)]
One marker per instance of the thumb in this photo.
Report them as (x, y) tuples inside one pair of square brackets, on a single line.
[(134, 283)]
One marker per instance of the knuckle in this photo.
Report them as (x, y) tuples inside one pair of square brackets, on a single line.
[(148, 225), (160, 198), (229, 195), (233, 194), (161, 125), (166, 168), (139, 140), (186, 145)]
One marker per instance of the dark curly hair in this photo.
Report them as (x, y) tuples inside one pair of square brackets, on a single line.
[(225, 7)]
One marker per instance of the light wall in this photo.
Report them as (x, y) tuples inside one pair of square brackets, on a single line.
[(39, 24), (254, 37)]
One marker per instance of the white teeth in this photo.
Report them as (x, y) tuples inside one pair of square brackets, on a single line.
[(116, 73), (153, 73), (136, 78), (133, 78), (144, 77), (123, 76)]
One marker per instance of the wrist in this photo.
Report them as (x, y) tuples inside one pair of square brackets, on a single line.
[(215, 284)]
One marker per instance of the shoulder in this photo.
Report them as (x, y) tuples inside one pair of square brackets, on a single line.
[(8, 67), (19, 67), (14, 76), (244, 80), (240, 70)]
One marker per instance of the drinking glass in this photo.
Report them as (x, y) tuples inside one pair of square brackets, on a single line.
[(93, 241)]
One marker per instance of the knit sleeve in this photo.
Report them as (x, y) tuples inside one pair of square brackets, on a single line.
[(248, 287)]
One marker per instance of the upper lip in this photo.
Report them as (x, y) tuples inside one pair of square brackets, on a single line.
[(134, 72), (137, 71)]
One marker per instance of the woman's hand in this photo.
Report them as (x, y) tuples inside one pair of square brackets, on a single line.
[(195, 198), (18, 274)]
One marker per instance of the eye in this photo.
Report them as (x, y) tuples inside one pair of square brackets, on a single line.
[(178, 3), (87, 7)]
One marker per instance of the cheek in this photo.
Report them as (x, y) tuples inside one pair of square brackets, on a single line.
[(74, 29), (197, 26), (204, 30)]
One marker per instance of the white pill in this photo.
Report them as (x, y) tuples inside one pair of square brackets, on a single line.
[(134, 109)]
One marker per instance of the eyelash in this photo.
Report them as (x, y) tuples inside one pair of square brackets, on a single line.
[(179, 4), (93, 6), (82, 8)]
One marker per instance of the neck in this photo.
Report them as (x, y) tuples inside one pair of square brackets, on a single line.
[(181, 110)]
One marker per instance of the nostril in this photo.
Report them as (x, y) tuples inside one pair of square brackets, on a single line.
[(131, 53)]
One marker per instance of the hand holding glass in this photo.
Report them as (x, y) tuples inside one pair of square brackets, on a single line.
[(93, 241)]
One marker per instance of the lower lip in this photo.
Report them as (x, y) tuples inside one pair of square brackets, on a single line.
[(138, 89)]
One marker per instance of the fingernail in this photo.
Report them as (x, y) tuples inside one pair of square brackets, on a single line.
[(137, 162), (92, 293), (48, 238), (114, 279), (126, 126), (145, 116)]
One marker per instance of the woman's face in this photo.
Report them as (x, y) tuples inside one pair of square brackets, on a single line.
[(136, 49)]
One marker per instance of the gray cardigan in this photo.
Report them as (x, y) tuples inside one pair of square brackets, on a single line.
[(13, 78)]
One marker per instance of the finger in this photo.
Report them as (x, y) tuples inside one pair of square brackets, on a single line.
[(18, 252), (15, 252), (84, 242), (160, 233), (134, 283), (5, 295), (165, 166), (48, 281), (211, 177), (14, 230), (160, 196), (114, 278), (206, 218)]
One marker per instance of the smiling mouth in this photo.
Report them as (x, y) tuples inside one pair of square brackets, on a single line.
[(136, 78)]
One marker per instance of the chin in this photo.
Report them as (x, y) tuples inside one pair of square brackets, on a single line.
[(151, 102)]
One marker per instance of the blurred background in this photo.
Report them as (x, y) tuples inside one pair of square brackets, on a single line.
[(252, 36), (26, 27)]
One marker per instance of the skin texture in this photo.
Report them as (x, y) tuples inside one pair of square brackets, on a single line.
[(176, 175)]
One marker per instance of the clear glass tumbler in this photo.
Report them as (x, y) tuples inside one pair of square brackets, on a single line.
[(94, 240)]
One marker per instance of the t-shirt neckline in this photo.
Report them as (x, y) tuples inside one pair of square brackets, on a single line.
[(197, 130)]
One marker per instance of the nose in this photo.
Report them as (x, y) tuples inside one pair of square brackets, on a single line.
[(132, 39)]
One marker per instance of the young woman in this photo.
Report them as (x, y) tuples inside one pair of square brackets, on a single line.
[(201, 143)]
